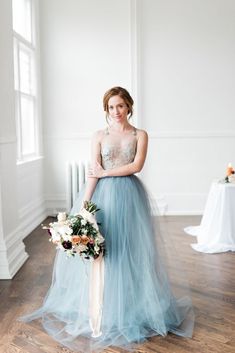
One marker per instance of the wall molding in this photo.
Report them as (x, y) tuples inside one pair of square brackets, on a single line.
[(154, 135), (55, 203), (26, 163), (78, 136), (180, 204), (191, 134), (12, 248), (12, 254), (31, 215), (196, 201), (5, 140), (9, 267), (11, 238)]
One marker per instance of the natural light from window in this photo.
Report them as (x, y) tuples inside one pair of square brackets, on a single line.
[(25, 79), (22, 18)]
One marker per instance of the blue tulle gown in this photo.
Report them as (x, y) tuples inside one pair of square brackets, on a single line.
[(144, 291)]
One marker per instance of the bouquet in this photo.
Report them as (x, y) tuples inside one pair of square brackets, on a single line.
[(78, 234)]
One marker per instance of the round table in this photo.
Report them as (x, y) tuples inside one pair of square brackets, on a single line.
[(216, 233)]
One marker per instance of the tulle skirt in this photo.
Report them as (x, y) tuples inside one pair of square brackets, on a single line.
[(144, 290)]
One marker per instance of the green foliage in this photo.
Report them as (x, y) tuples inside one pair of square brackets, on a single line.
[(90, 207)]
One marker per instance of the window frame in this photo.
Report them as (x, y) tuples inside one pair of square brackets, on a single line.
[(21, 43)]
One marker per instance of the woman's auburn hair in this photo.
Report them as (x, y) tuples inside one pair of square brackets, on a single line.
[(121, 92)]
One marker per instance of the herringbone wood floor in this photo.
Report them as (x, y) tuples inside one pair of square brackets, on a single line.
[(211, 279)]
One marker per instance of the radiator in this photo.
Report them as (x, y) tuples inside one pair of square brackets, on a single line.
[(76, 175)]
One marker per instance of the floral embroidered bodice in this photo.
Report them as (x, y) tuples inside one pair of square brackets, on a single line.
[(116, 151)]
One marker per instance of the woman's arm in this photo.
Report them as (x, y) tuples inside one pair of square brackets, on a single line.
[(128, 169), (90, 188), (95, 158)]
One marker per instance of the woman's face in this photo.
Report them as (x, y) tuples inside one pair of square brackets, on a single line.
[(118, 109)]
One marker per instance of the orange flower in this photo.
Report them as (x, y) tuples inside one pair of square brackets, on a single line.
[(85, 239), (76, 239), (229, 170)]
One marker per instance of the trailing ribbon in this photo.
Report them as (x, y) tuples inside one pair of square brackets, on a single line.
[(96, 290)]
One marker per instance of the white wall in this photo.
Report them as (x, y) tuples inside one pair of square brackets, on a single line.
[(187, 86), (12, 250), (183, 79), (85, 49), (22, 202), (30, 176)]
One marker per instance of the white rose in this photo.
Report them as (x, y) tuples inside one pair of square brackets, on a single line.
[(55, 236), (60, 246), (81, 247), (89, 217), (83, 222), (61, 216), (96, 248), (65, 230), (99, 238), (231, 178), (67, 237)]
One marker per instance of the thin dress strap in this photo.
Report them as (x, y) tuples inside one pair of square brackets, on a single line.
[(134, 132)]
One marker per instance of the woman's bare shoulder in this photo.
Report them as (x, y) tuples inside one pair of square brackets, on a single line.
[(142, 133), (99, 134)]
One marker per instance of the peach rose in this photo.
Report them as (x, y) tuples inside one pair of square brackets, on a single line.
[(85, 239), (229, 171), (76, 239)]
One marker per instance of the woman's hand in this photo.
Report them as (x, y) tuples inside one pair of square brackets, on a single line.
[(96, 171)]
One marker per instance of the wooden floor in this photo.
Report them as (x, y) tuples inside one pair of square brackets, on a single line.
[(211, 278)]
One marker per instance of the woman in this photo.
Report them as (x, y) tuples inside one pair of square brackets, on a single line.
[(134, 293)]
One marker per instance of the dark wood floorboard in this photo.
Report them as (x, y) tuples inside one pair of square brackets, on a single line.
[(211, 278)]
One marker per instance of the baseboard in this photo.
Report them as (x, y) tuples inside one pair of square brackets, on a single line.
[(55, 203), (12, 254), (184, 213), (167, 204), (17, 259), (184, 204)]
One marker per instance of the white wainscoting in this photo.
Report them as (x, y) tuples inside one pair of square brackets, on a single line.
[(31, 199), (31, 215), (58, 203), (7, 139), (175, 201), (55, 203), (12, 254), (167, 134)]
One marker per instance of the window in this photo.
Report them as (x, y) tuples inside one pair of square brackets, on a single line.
[(25, 76)]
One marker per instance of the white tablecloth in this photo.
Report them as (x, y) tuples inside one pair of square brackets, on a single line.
[(216, 233)]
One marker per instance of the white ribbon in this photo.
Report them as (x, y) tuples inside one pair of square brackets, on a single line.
[(96, 290)]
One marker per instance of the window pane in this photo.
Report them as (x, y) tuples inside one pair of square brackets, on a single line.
[(16, 66), (26, 70), (27, 125), (22, 18)]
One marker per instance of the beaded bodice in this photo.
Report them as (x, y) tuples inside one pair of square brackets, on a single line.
[(117, 151)]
